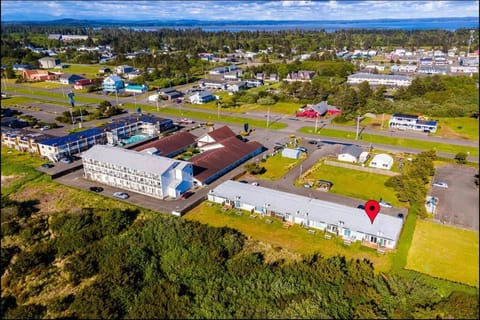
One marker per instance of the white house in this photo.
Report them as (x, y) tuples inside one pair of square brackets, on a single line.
[(144, 173), (350, 153), (201, 97), (382, 161), (351, 224)]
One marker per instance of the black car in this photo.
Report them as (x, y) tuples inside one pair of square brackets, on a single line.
[(243, 181), (47, 165), (96, 189), (400, 215), (312, 142)]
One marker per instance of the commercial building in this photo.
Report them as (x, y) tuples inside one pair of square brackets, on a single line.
[(380, 79), (352, 224), (151, 175), (412, 122)]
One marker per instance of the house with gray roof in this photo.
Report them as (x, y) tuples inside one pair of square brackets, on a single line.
[(140, 172), (351, 224), (350, 153)]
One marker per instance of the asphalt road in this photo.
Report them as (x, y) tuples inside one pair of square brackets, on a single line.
[(293, 124), (458, 204)]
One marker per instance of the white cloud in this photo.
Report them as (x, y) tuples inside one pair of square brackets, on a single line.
[(236, 10)]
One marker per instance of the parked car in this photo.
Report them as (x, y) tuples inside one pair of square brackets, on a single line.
[(312, 142), (121, 195), (44, 128), (385, 204), (303, 149), (400, 215), (440, 184), (255, 184), (66, 160), (47, 165), (96, 189), (187, 194), (360, 206), (278, 144)]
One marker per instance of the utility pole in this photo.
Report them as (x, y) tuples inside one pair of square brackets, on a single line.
[(316, 123), (383, 118), (268, 116), (358, 126), (157, 102)]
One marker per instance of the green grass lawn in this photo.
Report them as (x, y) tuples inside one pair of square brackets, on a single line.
[(277, 166), (49, 94), (410, 143), (445, 252), (295, 239), (88, 71), (352, 183), (466, 128)]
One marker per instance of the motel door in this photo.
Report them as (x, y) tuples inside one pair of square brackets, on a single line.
[(380, 242), (373, 239)]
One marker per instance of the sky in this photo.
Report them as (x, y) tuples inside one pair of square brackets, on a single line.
[(235, 10)]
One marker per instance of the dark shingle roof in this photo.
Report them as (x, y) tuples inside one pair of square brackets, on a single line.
[(209, 163), (170, 144)]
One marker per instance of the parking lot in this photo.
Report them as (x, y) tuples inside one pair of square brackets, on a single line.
[(458, 204)]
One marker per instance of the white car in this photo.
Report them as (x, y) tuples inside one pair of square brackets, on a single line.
[(440, 184), (385, 204), (255, 184), (121, 195)]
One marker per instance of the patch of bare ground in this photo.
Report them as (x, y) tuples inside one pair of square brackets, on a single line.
[(7, 180), (271, 253), (50, 200)]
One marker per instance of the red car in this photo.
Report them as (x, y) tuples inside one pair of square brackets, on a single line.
[(187, 194)]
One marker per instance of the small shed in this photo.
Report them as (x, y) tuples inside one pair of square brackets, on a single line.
[(350, 153), (324, 185), (291, 153)]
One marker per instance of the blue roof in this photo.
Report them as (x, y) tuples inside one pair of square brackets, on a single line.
[(428, 123), (72, 137)]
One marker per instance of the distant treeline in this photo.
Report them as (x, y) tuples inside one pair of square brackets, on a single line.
[(195, 40)]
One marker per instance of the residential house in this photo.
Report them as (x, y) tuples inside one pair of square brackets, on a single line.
[(273, 77), (104, 70), (349, 223), (213, 84), (48, 62), (136, 88), (380, 79), (412, 122), (433, 70), (140, 172), (171, 145), (254, 83), (318, 110), (70, 78), (21, 67), (382, 161), (113, 83), (169, 93), (463, 69), (237, 86), (86, 83), (350, 153), (38, 75), (200, 97), (233, 75), (302, 75), (123, 69), (73, 37)]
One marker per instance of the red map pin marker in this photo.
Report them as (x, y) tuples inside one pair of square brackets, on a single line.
[(372, 208)]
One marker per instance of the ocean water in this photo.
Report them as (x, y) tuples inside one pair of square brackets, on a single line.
[(450, 24)]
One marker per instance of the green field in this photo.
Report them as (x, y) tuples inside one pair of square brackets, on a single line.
[(277, 166), (88, 71), (445, 252), (295, 239), (409, 143), (466, 128), (352, 183)]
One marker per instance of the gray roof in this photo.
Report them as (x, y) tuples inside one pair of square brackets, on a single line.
[(379, 76), (139, 161), (352, 150), (318, 210)]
